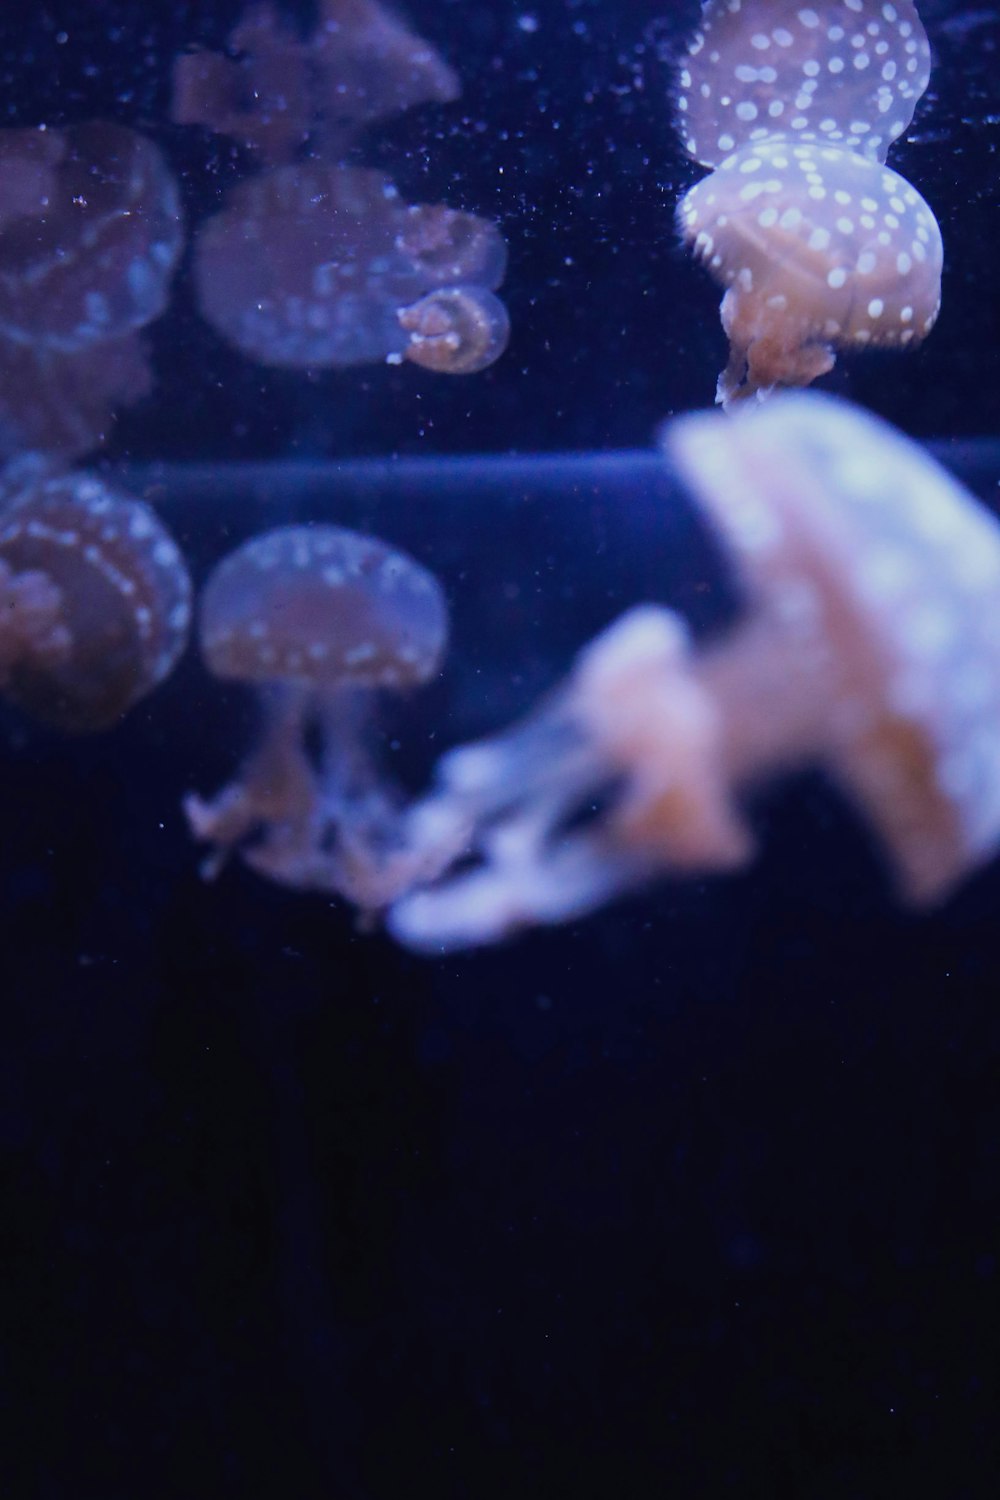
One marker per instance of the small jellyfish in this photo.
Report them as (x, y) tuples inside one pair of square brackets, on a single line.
[(90, 233), (110, 594), (843, 72), (867, 648), (318, 619), (456, 330), (308, 266), (276, 88), (819, 249)]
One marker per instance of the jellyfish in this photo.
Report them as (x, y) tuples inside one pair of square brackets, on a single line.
[(819, 249), (456, 330), (96, 596), (90, 233), (360, 64), (318, 265), (819, 245), (65, 404), (843, 72), (867, 648), (320, 620)]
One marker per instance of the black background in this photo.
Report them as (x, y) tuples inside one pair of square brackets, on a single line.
[(700, 1197)]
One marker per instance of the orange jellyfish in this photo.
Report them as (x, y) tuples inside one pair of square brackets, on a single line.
[(320, 620), (819, 249), (867, 647), (97, 601)]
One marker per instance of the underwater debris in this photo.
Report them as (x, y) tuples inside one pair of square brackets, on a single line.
[(360, 64), (819, 246), (320, 619), (97, 601), (872, 580), (318, 266)]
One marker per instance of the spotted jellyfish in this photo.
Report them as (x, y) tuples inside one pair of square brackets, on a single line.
[(870, 580), (95, 601), (796, 107), (320, 621), (819, 249)]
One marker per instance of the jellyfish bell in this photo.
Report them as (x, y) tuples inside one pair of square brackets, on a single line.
[(91, 230), (819, 250), (455, 330), (320, 620), (870, 580), (117, 600), (843, 72)]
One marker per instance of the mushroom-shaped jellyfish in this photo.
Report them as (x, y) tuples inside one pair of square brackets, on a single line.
[(867, 647), (276, 88), (90, 232), (819, 249), (318, 619), (96, 602), (317, 265), (846, 72)]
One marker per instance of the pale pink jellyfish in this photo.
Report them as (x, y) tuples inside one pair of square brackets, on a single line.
[(96, 601), (868, 648), (318, 265), (277, 88), (819, 249), (90, 233), (320, 620), (843, 72)]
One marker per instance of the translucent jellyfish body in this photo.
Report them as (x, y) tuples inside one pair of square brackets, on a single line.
[(97, 602), (275, 87), (90, 233), (871, 582), (843, 72), (318, 265), (65, 404), (820, 249), (319, 620)]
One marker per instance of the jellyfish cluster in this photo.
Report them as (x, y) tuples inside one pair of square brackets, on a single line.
[(315, 263), (820, 245), (869, 578)]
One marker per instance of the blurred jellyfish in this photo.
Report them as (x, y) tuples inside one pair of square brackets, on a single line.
[(96, 601), (819, 245), (319, 620), (317, 265), (868, 648), (360, 64), (90, 233), (819, 249), (64, 404)]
